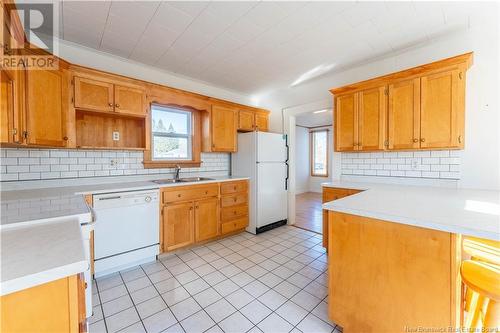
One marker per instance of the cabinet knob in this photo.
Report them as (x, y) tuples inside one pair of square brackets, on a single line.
[(178, 195), (206, 192), (110, 104), (234, 199), (422, 140), (415, 140), (117, 105), (65, 138)]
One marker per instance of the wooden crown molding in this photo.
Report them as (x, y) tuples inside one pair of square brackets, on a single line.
[(466, 59)]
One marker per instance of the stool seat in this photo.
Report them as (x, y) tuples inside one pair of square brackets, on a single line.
[(482, 278)]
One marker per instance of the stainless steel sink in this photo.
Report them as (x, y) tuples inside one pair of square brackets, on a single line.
[(194, 179), (181, 180), (167, 181)]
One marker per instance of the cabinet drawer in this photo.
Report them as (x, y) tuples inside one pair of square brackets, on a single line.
[(230, 213), (234, 200), (233, 187), (234, 225), (189, 193)]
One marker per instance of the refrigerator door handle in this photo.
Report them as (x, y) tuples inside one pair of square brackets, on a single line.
[(287, 175), (287, 149)]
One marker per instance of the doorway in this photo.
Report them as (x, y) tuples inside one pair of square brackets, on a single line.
[(313, 145)]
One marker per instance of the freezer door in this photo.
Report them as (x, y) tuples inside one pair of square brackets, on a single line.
[(271, 147), (271, 193)]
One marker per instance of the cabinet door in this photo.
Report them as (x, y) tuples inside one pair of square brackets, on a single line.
[(129, 100), (404, 114), (441, 121), (223, 129), (7, 106), (178, 226), (12, 102), (206, 219), (371, 118), (93, 94), (346, 119), (262, 122), (46, 114), (246, 120)]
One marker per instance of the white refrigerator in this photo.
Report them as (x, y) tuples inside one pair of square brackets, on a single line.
[(263, 157)]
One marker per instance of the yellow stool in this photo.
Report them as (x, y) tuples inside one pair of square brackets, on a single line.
[(482, 249), (482, 281)]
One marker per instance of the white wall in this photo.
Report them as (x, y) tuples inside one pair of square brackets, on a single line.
[(480, 162), (304, 182), (302, 170)]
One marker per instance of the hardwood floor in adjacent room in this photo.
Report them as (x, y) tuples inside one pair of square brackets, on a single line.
[(308, 212)]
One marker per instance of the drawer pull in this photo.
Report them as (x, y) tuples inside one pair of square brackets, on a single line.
[(235, 199), (178, 195)]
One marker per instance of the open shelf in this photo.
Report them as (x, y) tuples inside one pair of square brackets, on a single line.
[(95, 130)]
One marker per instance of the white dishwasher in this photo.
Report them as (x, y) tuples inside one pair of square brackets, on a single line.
[(126, 231)]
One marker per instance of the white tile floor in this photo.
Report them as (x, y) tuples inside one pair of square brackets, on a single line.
[(272, 282)]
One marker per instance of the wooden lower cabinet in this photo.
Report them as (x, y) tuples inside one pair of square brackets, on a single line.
[(391, 277), (206, 213), (330, 194), (57, 306), (196, 213), (178, 225)]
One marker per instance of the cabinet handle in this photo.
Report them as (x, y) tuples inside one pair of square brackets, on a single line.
[(234, 199), (460, 75), (65, 138), (117, 105), (191, 208), (206, 192), (110, 104), (178, 195), (415, 140), (422, 140), (459, 139)]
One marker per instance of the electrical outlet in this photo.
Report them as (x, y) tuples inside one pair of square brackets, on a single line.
[(113, 162), (116, 136), (415, 163)]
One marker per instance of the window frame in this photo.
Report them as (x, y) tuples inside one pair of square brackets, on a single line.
[(311, 152), (188, 136), (195, 159)]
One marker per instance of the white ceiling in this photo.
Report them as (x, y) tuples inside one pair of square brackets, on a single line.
[(312, 119), (252, 47)]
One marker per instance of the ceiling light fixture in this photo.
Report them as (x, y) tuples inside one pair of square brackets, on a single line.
[(322, 111), (311, 74)]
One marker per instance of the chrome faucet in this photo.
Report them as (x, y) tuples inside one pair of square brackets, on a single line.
[(177, 171)]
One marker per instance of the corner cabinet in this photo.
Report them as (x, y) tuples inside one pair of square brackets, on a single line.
[(419, 108), (219, 128)]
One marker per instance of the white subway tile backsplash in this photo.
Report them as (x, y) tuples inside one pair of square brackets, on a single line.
[(30, 164), (419, 164)]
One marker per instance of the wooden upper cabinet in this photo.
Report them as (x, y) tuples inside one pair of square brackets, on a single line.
[(129, 100), (372, 108), (97, 95), (206, 213), (223, 128), (404, 114), (12, 105), (93, 94), (262, 121), (178, 226), (424, 109), (346, 120), (246, 120), (441, 113), (46, 107)]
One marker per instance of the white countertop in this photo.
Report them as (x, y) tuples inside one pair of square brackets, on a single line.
[(40, 253), (461, 211), (40, 229)]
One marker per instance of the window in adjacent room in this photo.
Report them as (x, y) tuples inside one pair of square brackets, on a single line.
[(171, 134), (319, 153)]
